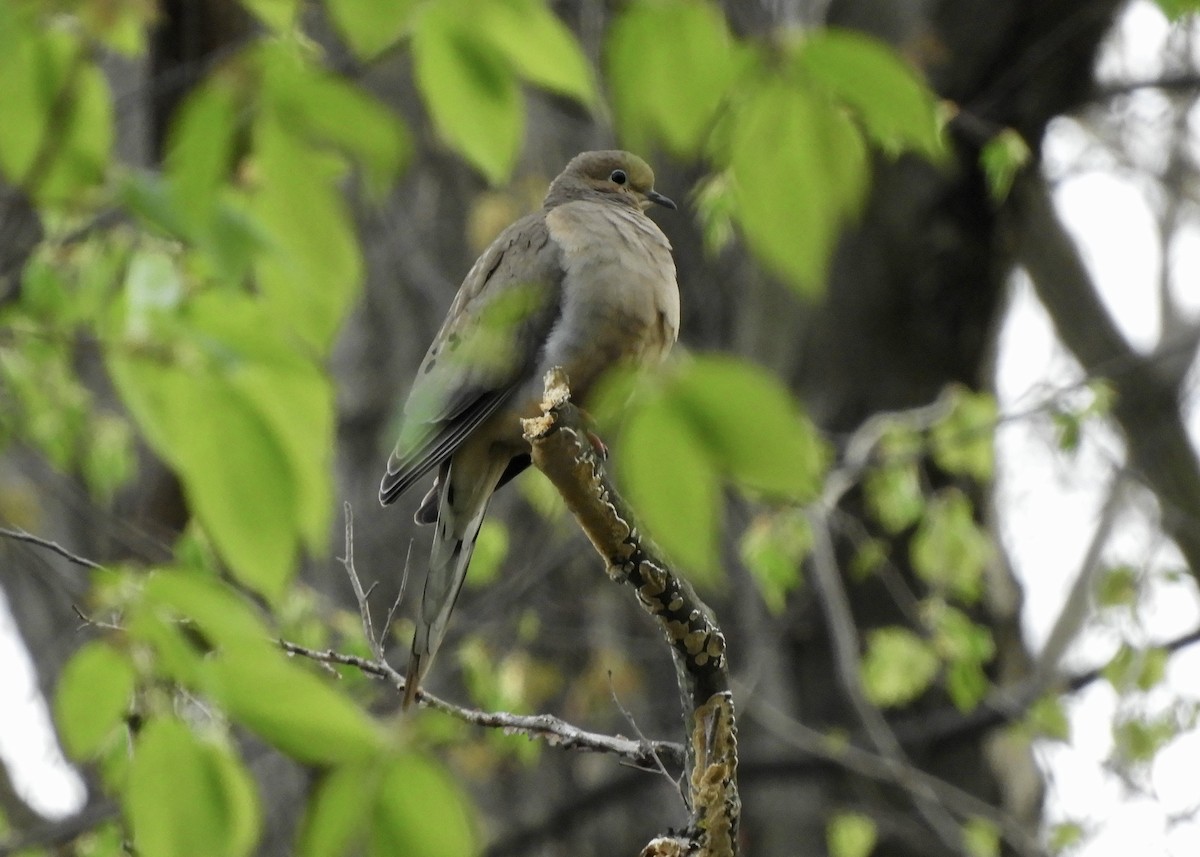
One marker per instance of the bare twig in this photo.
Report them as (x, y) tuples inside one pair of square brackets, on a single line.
[(364, 609), (400, 591), (865, 763), (544, 727), (659, 767), (844, 635), (22, 536), (1074, 613)]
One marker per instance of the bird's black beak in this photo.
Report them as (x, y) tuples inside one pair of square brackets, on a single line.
[(664, 201)]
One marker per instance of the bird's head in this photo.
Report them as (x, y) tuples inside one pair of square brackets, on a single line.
[(610, 175)]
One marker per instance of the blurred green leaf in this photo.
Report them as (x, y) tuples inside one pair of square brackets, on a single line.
[(223, 616), (94, 693), (962, 441), (670, 482), (370, 26), (773, 549), (949, 550), (538, 45), (751, 427), (57, 133), (981, 838), (1118, 587), (1136, 669), (1002, 158), (1065, 836), (886, 93), (276, 14), (312, 269), (421, 812), (228, 459), (246, 421), (468, 88), (670, 66), (898, 666), (1047, 718), (211, 807), (1138, 739), (491, 547), (850, 834), (291, 708), (894, 496), (337, 816), (327, 110), (200, 150), (795, 193)]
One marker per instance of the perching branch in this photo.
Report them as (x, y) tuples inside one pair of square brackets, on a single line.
[(562, 451), (554, 731)]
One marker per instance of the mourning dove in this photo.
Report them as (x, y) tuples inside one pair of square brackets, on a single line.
[(585, 283)]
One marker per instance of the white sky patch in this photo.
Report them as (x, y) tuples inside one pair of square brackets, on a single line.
[(40, 774)]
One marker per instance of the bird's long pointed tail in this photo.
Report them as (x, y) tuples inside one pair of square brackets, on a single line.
[(462, 504)]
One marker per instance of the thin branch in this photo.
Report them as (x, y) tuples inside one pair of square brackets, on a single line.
[(543, 727), (60, 832), (364, 609), (1074, 613), (22, 536), (843, 632), (865, 763)]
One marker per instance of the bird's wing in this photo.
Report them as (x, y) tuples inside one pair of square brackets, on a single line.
[(488, 345)]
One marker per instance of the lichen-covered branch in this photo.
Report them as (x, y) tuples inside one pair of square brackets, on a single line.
[(561, 449)]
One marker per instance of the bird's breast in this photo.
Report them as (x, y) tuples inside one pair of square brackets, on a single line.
[(620, 301)]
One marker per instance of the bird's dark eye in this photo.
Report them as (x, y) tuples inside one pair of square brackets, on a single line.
[(618, 177)]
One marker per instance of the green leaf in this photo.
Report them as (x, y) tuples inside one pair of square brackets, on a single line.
[(962, 441), (327, 110), (338, 813), (981, 838), (93, 697), (370, 27), (538, 45), (949, 550), (1065, 836), (669, 481), (1118, 587), (491, 547), (189, 798), (228, 458), (796, 191), (670, 66), (292, 395), (1048, 719), (291, 708), (58, 129), (469, 90), (772, 549), (313, 268), (1002, 158), (200, 150), (850, 834), (224, 617), (898, 666), (751, 427), (886, 93), (1139, 669), (894, 496), (420, 812), (276, 14)]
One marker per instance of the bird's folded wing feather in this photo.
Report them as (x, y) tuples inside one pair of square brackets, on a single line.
[(487, 347)]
